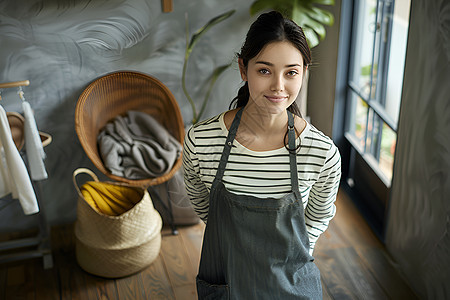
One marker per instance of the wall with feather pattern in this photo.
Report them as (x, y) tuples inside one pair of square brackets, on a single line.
[(61, 46)]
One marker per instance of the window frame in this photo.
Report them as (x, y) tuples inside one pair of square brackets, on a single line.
[(363, 179)]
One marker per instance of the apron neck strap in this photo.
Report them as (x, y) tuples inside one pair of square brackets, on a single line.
[(291, 144), (228, 145), (292, 153)]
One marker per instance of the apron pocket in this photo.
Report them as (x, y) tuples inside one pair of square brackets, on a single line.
[(206, 290)]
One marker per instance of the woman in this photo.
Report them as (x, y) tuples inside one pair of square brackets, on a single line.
[(263, 179)]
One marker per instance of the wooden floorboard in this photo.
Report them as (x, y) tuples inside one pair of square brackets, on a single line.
[(353, 264), (131, 287), (192, 238), (3, 282), (157, 284), (379, 264), (177, 261), (345, 274), (47, 282)]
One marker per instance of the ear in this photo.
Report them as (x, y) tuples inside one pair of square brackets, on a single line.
[(242, 69)]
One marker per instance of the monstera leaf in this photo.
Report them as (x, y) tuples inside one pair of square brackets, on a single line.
[(305, 13)]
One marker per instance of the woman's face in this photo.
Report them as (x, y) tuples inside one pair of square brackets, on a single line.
[(274, 76)]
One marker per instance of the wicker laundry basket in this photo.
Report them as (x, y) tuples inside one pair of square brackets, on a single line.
[(115, 94), (116, 246)]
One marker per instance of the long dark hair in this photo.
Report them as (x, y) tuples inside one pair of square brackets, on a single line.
[(270, 27)]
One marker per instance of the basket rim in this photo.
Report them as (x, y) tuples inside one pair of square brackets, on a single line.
[(95, 159)]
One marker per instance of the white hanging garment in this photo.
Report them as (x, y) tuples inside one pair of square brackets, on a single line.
[(13, 173), (33, 145), (5, 182)]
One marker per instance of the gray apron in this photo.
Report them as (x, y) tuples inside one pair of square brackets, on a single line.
[(256, 248)]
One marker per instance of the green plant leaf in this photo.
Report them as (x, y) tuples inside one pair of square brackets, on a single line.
[(365, 71), (189, 47), (323, 2), (311, 37), (321, 15), (282, 6), (212, 79), (304, 12), (305, 21), (299, 16), (260, 5), (196, 36), (218, 71), (318, 28)]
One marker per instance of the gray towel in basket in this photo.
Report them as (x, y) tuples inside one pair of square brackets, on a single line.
[(136, 146)]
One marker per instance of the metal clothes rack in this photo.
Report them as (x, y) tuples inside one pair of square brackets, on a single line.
[(40, 244)]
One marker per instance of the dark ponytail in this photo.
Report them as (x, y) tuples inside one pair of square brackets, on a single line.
[(242, 97), (270, 27)]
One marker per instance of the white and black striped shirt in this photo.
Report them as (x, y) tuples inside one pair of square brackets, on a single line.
[(264, 173)]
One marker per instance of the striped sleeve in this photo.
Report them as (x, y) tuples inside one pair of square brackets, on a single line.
[(195, 187), (320, 208)]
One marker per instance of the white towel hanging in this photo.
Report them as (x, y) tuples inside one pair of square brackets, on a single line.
[(14, 175), (33, 145)]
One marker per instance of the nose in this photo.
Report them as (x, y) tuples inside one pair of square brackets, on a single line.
[(277, 83)]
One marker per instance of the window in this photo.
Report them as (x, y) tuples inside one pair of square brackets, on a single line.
[(375, 80), (372, 52)]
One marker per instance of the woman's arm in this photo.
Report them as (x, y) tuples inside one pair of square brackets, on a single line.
[(321, 209), (196, 189)]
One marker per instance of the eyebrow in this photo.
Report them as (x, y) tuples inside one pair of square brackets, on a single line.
[(271, 64)]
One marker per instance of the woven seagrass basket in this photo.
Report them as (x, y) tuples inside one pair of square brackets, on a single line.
[(115, 94), (116, 246)]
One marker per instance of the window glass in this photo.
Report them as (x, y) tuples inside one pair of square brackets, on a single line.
[(366, 28), (397, 58), (387, 150), (377, 61), (360, 121)]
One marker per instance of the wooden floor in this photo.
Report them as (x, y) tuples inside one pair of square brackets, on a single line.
[(353, 265)]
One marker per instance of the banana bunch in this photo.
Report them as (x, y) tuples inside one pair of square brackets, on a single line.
[(110, 199)]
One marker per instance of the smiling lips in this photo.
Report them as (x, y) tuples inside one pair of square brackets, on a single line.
[(276, 99)]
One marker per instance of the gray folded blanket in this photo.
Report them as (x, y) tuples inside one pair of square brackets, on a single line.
[(136, 146)]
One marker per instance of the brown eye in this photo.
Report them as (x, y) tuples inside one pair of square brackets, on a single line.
[(264, 71)]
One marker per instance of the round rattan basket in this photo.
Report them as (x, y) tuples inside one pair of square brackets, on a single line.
[(115, 94)]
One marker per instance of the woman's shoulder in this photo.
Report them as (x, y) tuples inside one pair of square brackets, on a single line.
[(205, 133), (210, 127), (228, 117), (207, 123), (317, 138)]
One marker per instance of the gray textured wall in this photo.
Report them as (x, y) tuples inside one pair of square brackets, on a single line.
[(418, 231), (322, 79), (62, 45)]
